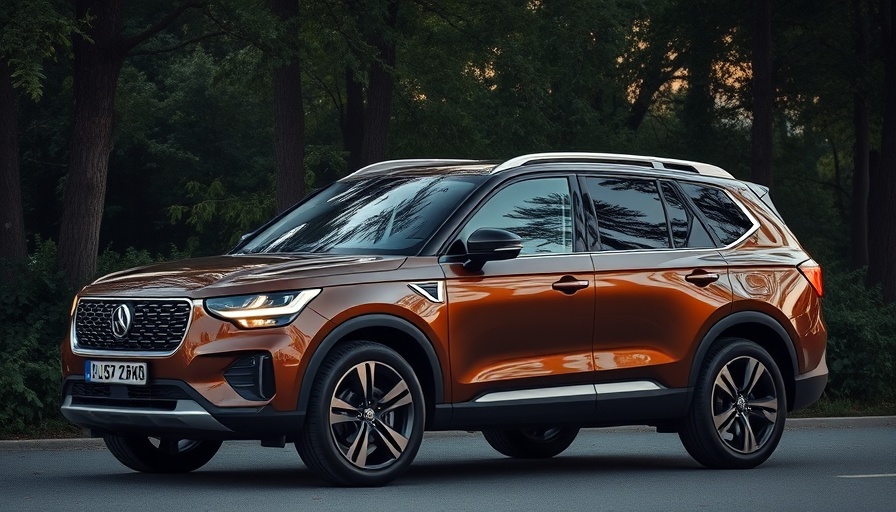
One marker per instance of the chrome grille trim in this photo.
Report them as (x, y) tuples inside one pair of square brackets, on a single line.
[(124, 353)]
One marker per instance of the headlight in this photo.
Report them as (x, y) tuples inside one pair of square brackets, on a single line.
[(263, 309)]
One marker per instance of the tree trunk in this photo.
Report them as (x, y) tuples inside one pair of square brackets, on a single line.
[(882, 239), (698, 105), (651, 83), (379, 108), (859, 210), (763, 95), (656, 72), (379, 93), (12, 226), (97, 65), (365, 128), (353, 119), (98, 60), (289, 120)]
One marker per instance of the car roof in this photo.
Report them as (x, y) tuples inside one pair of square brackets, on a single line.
[(484, 167)]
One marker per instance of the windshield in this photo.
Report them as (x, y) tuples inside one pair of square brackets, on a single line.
[(377, 215)]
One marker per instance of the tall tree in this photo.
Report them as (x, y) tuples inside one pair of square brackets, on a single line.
[(882, 235), (859, 211), (763, 95), (99, 55), (368, 109), (381, 83), (289, 114), (12, 226), (704, 36), (31, 31), (659, 67)]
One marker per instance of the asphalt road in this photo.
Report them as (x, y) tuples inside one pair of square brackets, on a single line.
[(816, 468)]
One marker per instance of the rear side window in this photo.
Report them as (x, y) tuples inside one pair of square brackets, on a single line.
[(723, 216), (629, 214), (687, 230)]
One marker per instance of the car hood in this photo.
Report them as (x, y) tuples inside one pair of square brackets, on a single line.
[(237, 274)]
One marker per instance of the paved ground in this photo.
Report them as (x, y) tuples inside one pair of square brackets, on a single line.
[(820, 465)]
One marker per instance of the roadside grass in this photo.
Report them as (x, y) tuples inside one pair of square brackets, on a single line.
[(49, 429), (840, 407)]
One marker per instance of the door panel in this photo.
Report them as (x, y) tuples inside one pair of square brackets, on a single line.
[(511, 329), (649, 315)]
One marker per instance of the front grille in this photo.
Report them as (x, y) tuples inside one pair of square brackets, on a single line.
[(156, 325)]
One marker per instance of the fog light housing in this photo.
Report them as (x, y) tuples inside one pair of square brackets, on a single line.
[(252, 377)]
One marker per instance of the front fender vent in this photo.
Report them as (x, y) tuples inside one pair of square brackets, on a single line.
[(433, 291)]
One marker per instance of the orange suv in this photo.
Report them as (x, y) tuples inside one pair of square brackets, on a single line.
[(525, 299)]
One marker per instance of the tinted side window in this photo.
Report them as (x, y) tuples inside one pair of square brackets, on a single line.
[(724, 217), (538, 210), (629, 214), (687, 231)]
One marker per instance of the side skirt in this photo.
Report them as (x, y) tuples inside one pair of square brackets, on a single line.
[(599, 405)]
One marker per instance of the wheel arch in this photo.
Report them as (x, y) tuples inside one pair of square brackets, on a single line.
[(396, 333), (760, 328)]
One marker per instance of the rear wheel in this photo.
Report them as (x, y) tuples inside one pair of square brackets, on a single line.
[(365, 416), (161, 455), (736, 418), (531, 443)]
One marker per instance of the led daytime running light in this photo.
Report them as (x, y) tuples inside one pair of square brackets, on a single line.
[(252, 310)]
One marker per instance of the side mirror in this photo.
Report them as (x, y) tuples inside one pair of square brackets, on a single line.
[(491, 244)]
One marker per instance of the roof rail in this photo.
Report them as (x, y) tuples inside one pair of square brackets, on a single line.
[(390, 165), (646, 161)]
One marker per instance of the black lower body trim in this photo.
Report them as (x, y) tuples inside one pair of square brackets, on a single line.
[(807, 390), (521, 413), (652, 407)]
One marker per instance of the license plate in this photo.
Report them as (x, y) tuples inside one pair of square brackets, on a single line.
[(115, 372)]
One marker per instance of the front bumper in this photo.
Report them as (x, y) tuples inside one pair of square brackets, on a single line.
[(169, 408)]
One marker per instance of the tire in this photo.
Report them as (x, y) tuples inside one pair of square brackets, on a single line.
[(161, 455), (532, 443), (365, 417), (737, 414)]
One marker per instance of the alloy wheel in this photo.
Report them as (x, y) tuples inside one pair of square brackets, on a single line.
[(744, 404), (371, 415), (168, 445)]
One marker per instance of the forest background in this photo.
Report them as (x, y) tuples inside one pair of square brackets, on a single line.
[(132, 132)]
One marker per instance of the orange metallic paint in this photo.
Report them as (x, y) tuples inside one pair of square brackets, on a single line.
[(211, 345), (648, 316), (339, 304), (510, 329)]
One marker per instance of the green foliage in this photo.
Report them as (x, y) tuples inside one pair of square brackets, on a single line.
[(213, 207), (194, 152), (34, 318), (861, 345), (32, 31)]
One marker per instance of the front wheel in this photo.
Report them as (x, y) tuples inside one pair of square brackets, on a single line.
[(531, 443), (365, 416), (736, 418), (161, 455)]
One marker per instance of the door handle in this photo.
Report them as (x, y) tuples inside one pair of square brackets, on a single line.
[(569, 285), (701, 278)]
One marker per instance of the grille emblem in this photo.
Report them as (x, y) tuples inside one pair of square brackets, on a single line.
[(121, 321)]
